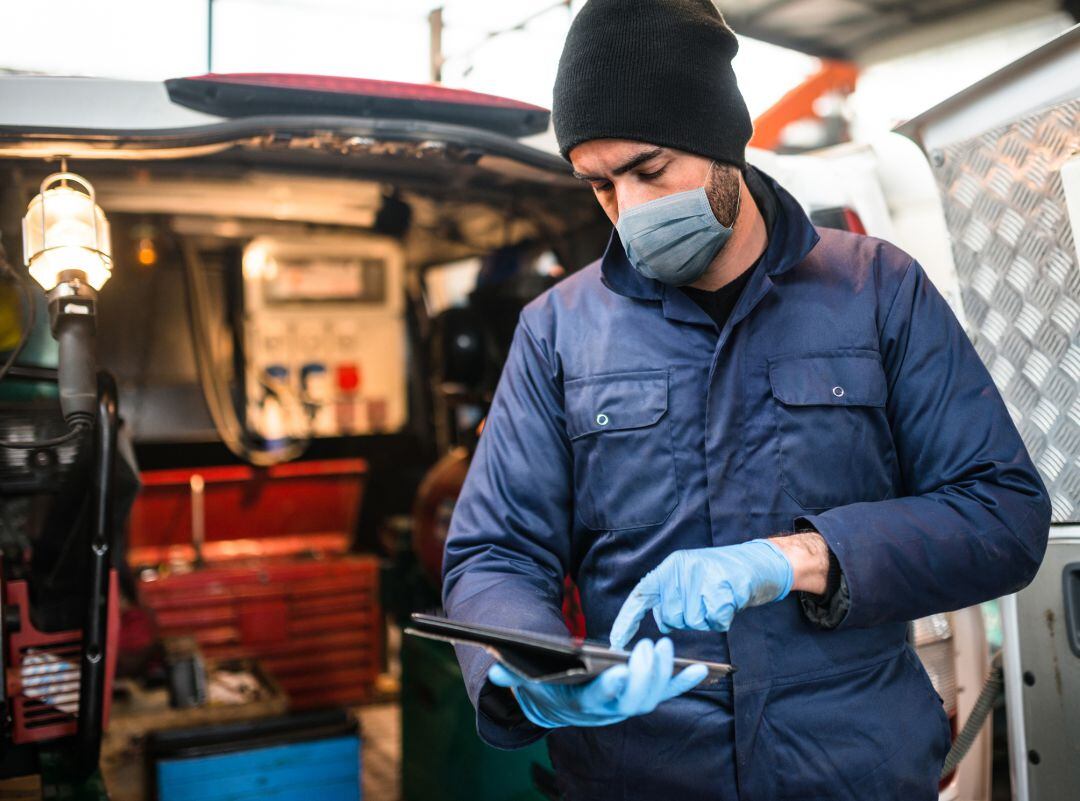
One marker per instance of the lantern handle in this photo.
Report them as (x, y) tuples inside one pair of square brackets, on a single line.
[(69, 176)]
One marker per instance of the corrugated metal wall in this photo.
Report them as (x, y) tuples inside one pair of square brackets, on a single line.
[(1020, 281)]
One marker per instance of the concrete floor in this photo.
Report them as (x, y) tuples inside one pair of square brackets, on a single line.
[(380, 765)]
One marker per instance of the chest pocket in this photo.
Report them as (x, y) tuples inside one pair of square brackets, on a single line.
[(624, 460), (835, 444)]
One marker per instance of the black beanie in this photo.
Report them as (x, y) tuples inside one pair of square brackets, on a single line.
[(656, 71)]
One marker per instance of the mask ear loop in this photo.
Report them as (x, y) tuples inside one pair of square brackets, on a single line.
[(738, 206)]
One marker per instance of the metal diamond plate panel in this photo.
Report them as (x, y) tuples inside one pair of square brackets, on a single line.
[(1020, 283)]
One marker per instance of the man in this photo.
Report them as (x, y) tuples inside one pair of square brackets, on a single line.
[(769, 443)]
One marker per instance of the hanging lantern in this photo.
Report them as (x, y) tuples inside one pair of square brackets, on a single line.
[(66, 235)]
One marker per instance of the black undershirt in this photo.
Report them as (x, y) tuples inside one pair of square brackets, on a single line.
[(718, 303)]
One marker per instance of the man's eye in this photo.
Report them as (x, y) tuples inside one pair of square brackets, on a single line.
[(649, 176), (604, 186)]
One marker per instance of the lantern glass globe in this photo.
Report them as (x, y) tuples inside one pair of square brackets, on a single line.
[(65, 230)]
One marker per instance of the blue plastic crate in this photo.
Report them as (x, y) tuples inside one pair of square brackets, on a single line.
[(284, 759)]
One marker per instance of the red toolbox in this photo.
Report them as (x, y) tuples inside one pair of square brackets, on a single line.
[(268, 576)]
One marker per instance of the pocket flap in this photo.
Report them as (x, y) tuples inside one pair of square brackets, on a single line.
[(834, 380), (614, 402)]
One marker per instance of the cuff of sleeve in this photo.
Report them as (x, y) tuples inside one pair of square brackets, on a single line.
[(827, 611), (499, 720)]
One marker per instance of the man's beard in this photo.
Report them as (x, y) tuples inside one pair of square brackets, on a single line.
[(722, 188)]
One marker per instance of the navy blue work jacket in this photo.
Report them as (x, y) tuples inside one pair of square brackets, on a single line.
[(841, 392)]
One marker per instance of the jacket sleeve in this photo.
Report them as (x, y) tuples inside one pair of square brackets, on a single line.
[(508, 546), (974, 520)]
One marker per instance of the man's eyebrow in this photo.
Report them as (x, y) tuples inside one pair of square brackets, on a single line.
[(634, 161)]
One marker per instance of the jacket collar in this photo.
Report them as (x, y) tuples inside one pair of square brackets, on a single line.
[(792, 237)]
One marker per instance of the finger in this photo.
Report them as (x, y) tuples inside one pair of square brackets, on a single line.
[(687, 680), (643, 598), (663, 665), (720, 609), (640, 665), (672, 603), (695, 611), (696, 591), (722, 622), (501, 677), (659, 618), (606, 688)]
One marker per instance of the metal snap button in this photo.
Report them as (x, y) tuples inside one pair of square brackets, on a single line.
[(838, 391), (602, 419)]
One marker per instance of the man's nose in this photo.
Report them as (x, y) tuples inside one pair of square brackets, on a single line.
[(629, 196)]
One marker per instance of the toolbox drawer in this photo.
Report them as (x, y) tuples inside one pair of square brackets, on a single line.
[(312, 625)]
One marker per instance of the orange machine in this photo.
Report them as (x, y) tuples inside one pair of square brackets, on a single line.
[(798, 103)]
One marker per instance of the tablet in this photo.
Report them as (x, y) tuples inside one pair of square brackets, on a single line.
[(543, 657)]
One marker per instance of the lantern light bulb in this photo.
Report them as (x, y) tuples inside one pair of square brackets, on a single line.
[(65, 231)]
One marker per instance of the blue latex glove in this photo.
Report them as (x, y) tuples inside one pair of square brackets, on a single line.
[(704, 588), (618, 693)]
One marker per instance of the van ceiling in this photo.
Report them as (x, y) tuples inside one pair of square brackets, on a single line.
[(875, 30), (457, 211)]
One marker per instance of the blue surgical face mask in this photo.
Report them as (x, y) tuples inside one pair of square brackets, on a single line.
[(673, 238)]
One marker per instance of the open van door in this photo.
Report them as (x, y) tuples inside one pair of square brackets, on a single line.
[(1006, 157)]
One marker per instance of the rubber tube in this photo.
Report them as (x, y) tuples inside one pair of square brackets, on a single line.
[(77, 370), (992, 688)]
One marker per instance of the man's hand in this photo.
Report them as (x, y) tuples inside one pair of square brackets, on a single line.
[(622, 691), (703, 588)]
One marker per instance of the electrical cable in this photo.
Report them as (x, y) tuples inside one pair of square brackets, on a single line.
[(218, 401), (77, 429), (984, 704), (515, 28)]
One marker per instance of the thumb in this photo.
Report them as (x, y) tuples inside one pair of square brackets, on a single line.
[(501, 677)]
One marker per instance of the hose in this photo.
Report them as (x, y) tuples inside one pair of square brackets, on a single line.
[(218, 401), (984, 705), (76, 370)]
